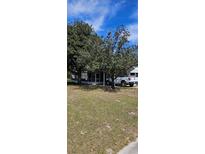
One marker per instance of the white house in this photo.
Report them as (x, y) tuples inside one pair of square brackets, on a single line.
[(99, 78), (93, 78)]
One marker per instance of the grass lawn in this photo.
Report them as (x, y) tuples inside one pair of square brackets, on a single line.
[(101, 122)]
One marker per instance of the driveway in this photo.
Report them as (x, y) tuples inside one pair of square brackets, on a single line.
[(131, 148)]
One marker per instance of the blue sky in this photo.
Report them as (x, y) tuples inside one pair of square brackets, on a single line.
[(106, 15)]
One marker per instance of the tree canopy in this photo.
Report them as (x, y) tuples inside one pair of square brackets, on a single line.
[(86, 51), (119, 57), (81, 47)]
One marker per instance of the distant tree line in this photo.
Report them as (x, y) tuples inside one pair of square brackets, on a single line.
[(86, 51)]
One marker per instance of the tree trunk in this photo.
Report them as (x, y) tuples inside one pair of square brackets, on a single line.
[(113, 82), (103, 78), (79, 77)]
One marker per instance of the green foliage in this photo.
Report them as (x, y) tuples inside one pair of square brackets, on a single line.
[(118, 57), (82, 45), (79, 45), (88, 52)]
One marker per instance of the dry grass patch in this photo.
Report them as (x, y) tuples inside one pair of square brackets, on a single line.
[(99, 120)]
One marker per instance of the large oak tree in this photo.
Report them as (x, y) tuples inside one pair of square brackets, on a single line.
[(82, 45), (117, 55)]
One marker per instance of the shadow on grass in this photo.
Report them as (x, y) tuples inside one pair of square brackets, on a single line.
[(94, 87), (71, 83)]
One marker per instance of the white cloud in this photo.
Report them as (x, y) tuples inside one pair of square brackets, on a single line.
[(115, 8), (83, 7), (134, 15), (93, 11), (133, 29), (97, 24)]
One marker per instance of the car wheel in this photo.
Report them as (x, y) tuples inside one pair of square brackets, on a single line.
[(131, 84)]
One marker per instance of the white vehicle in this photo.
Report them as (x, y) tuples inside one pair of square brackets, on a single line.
[(123, 81), (131, 79)]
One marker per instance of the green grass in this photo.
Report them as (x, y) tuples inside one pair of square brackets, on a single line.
[(99, 119)]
